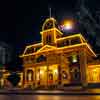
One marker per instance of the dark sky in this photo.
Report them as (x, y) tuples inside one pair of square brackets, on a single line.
[(21, 21), (30, 16)]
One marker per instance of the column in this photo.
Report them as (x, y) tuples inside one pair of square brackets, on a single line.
[(83, 67)]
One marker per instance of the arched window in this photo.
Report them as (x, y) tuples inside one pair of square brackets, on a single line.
[(75, 74), (30, 74)]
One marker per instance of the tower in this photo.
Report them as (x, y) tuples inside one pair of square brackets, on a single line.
[(50, 32)]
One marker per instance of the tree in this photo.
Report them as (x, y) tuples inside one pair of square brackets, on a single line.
[(14, 78)]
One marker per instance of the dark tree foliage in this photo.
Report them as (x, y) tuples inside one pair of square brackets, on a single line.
[(14, 78), (14, 65)]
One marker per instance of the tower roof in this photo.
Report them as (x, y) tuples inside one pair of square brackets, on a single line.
[(49, 23)]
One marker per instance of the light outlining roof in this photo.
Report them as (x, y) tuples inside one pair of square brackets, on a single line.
[(94, 66), (55, 48), (55, 29), (46, 46), (72, 36), (47, 20), (34, 45), (62, 48), (91, 50)]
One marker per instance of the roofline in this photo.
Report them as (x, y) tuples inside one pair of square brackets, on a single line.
[(77, 45), (46, 46), (91, 50), (94, 65), (51, 30), (33, 45), (72, 36)]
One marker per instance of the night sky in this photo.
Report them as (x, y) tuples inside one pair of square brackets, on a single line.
[(21, 21)]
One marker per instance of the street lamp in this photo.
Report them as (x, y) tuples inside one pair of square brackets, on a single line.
[(67, 25)]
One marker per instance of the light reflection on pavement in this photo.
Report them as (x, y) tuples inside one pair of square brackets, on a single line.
[(48, 97)]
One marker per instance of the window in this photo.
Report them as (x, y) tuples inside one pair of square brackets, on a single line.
[(63, 43), (76, 75), (48, 39), (73, 59), (26, 59), (29, 50), (75, 41), (30, 75), (41, 58), (37, 48), (75, 72), (66, 42)]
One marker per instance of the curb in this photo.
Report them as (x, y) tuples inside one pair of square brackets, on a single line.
[(36, 93)]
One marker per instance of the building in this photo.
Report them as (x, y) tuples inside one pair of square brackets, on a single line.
[(5, 53), (5, 58), (59, 61)]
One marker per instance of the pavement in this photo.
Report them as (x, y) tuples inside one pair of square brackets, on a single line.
[(51, 92)]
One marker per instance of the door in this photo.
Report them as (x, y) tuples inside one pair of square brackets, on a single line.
[(41, 76)]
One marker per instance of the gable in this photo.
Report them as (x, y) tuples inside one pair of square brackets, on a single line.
[(46, 47)]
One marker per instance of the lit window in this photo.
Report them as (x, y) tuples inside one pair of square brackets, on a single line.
[(30, 75)]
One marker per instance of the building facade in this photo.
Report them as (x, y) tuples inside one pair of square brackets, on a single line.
[(5, 58), (59, 61)]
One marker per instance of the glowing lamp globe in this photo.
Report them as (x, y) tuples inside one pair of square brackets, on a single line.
[(68, 25)]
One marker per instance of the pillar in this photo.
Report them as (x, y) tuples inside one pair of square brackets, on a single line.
[(83, 67)]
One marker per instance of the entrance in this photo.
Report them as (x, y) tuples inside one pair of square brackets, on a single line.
[(46, 76), (30, 78), (75, 76), (41, 76)]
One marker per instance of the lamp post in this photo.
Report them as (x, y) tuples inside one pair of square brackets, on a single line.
[(67, 25)]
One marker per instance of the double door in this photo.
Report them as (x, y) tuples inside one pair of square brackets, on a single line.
[(46, 76)]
